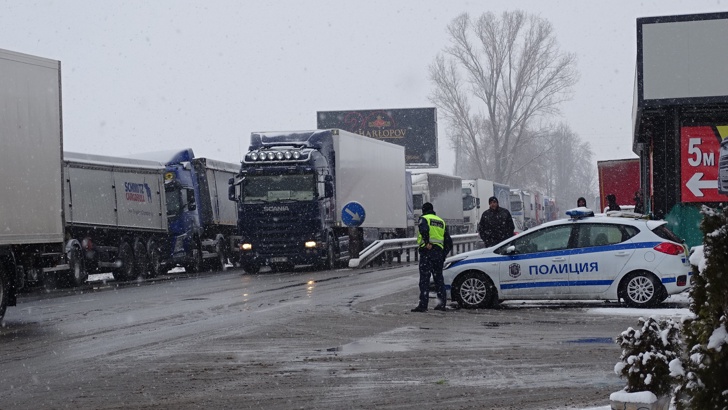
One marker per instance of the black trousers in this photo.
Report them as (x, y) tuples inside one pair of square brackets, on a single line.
[(431, 262)]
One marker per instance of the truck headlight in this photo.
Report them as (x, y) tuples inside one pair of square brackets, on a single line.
[(246, 246), (310, 244)]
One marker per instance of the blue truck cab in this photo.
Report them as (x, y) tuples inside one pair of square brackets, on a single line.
[(201, 222)]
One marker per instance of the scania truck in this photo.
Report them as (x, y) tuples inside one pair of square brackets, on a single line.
[(302, 195)]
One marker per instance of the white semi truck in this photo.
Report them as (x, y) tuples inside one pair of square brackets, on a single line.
[(444, 192), (31, 188)]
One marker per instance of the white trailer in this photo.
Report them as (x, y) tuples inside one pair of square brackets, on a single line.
[(116, 216), (31, 189), (476, 193), (444, 192)]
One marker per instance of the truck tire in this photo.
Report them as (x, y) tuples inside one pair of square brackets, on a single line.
[(4, 292), (77, 274), (155, 259), (141, 261), (251, 269), (221, 260), (330, 262), (126, 257), (196, 263)]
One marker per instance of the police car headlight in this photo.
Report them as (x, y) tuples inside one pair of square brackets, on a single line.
[(453, 260), (310, 244)]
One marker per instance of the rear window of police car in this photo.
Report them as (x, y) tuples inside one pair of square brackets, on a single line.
[(665, 233)]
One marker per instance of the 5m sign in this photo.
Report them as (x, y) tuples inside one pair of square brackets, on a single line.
[(700, 147)]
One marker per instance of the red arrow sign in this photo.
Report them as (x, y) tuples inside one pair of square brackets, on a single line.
[(700, 148)]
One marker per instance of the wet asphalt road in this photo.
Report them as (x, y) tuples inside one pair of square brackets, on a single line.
[(289, 340)]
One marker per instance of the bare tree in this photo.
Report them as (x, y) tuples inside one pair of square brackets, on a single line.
[(569, 165), (493, 82)]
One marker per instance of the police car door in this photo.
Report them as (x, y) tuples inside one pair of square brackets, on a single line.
[(600, 253), (537, 266)]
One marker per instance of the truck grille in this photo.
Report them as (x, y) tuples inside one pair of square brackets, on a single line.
[(280, 233)]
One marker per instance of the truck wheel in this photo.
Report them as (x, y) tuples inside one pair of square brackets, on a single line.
[(141, 261), (221, 261), (76, 275), (195, 266), (330, 255), (155, 260), (251, 269), (126, 257), (4, 292)]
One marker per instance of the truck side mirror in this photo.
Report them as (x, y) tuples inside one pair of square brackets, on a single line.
[(231, 189), (328, 186), (477, 203), (191, 205)]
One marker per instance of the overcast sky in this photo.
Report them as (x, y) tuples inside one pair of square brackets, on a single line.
[(151, 75)]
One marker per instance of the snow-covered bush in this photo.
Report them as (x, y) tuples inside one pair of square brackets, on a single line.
[(702, 374), (646, 356)]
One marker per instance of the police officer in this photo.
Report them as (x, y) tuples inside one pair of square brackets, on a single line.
[(434, 244)]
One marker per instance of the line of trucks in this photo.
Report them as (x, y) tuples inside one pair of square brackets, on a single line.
[(296, 198)]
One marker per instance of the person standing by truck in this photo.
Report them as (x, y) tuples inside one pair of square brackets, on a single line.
[(496, 224), (434, 244), (581, 202), (612, 203)]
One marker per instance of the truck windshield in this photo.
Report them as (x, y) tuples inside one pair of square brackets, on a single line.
[(273, 188), (516, 206)]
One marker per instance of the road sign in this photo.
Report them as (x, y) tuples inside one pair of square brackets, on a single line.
[(700, 148), (352, 214)]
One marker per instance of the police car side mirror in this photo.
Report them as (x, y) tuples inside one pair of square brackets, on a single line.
[(510, 250)]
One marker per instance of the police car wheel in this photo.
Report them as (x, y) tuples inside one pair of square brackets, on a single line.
[(473, 290), (640, 289)]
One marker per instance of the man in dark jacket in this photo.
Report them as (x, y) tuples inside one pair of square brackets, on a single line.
[(496, 224)]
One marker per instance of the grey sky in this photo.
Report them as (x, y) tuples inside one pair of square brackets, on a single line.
[(156, 75)]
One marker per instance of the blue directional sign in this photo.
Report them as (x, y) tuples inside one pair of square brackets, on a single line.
[(352, 214)]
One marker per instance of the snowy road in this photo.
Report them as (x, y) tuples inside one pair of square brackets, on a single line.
[(335, 339)]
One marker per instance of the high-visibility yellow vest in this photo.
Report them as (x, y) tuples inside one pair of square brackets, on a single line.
[(437, 231)]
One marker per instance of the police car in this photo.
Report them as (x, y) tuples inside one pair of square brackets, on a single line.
[(603, 257)]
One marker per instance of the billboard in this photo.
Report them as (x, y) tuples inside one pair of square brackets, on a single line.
[(413, 128), (682, 59)]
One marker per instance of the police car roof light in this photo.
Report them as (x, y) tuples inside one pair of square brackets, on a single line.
[(580, 212)]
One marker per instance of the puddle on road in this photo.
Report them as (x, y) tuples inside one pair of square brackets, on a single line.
[(589, 340), (361, 347)]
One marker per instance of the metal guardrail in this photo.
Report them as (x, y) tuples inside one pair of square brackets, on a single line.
[(394, 249)]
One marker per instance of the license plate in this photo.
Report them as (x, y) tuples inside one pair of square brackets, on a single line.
[(279, 259)]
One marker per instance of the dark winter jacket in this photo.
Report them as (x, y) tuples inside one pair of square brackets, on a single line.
[(495, 225)]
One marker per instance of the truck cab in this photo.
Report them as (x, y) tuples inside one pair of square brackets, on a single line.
[(285, 197)]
